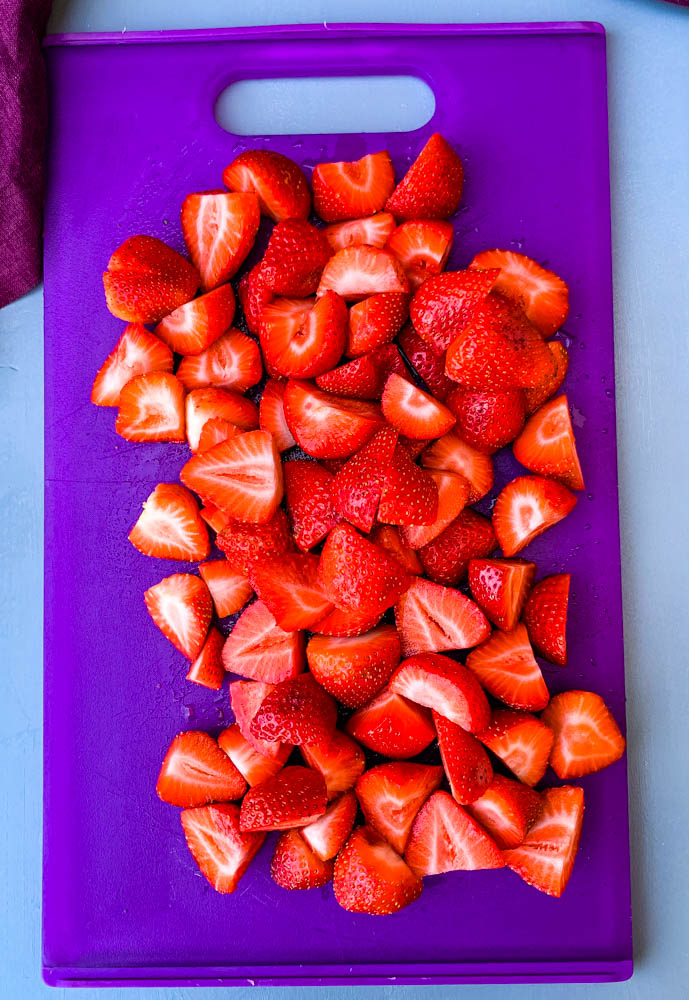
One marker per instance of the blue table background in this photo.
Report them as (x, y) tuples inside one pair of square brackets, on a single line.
[(648, 59)]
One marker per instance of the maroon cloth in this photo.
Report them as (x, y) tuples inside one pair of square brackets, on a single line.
[(23, 114)]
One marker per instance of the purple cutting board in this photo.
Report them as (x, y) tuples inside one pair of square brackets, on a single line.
[(132, 133)]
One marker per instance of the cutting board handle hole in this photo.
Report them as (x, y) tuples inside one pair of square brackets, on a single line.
[(313, 105)]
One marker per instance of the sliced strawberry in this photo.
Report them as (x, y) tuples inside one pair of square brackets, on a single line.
[(545, 617), (297, 711), (271, 414), (447, 303), (354, 669), (195, 771), (349, 190), (521, 741), (370, 877), (254, 766), (214, 517), (207, 669), (488, 419), (546, 856), (374, 230), (311, 511), (500, 588), (527, 507), (388, 537), (294, 259), (423, 246), (339, 760), (451, 454), (202, 405), (328, 835), (375, 320), (453, 494), (466, 763), (357, 487), (182, 608), (543, 296), (254, 296), (431, 618), (146, 280), (432, 187), (445, 838), (258, 649), (169, 526), (552, 382), (507, 669), (360, 379), (506, 810), (409, 494), (221, 850), (426, 362), (194, 326), (219, 231), (135, 353), (302, 338), (388, 361), (416, 414), (392, 726), (344, 624), (547, 445), (391, 794), (288, 586), (295, 796), (357, 575), (445, 686), (245, 699), (328, 426), (446, 559), (587, 738), (214, 431), (295, 866), (359, 271), (151, 408), (245, 543), (233, 361), (279, 184)]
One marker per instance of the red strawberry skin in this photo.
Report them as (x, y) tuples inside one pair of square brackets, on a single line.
[(393, 726), (427, 362), (444, 305), (354, 669), (432, 187), (467, 765), (297, 711), (244, 544), (375, 321), (358, 575), (207, 670), (370, 877), (311, 510), (487, 419), (357, 487), (295, 796), (280, 185), (146, 280), (500, 587), (545, 617), (294, 259), (446, 559), (339, 760), (295, 866)]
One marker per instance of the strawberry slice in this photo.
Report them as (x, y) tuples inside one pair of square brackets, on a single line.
[(370, 877), (356, 489), (135, 353), (466, 763), (357, 575), (245, 699), (182, 608), (409, 494), (271, 414), (426, 362), (295, 866), (349, 190), (311, 511), (506, 810), (375, 320), (447, 303), (347, 623), (431, 618), (392, 726), (360, 379), (507, 669), (500, 588), (328, 426), (445, 838), (295, 796), (527, 507), (413, 412), (146, 279), (453, 494), (214, 431), (254, 296), (488, 419), (195, 772), (543, 296), (446, 559), (219, 230), (546, 856), (242, 476), (194, 326), (328, 835), (547, 445), (552, 382), (432, 187), (245, 543), (521, 741), (294, 259), (354, 669), (279, 184), (422, 246), (302, 338), (388, 537), (214, 517), (446, 687), (257, 648), (359, 271), (587, 738), (151, 408), (389, 361), (202, 405), (451, 454), (233, 361), (169, 526), (254, 766), (391, 795), (374, 230), (296, 711), (207, 669), (339, 760), (288, 586), (545, 617), (220, 849)]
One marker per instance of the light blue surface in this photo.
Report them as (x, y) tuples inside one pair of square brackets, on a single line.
[(649, 92)]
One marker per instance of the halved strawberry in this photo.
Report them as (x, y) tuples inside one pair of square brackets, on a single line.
[(391, 794), (545, 857), (194, 326), (347, 623), (244, 543), (295, 866), (431, 618), (195, 771), (416, 414), (507, 669), (328, 835), (169, 526), (288, 586), (409, 494), (526, 507), (202, 405), (392, 726), (245, 700), (444, 686), (151, 408), (432, 187), (242, 476), (426, 362), (370, 877), (302, 338), (257, 648), (360, 379), (521, 741), (279, 184), (359, 271), (551, 383), (233, 361), (388, 361), (447, 303), (587, 738), (254, 766), (219, 230), (294, 259), (135, 353), (357, 575), (446, 559), (254, 296), (451, 454), (354, 669), (207, 669), (356, 489), (182, 608), (310, 507), (271, 414), (543, 296), (423, 246), (297, 711), (146, 279), (214, 517), (214, 431), (373, 230), (328, 426), (295, 796), (349, 190), (375, 320), (506, 810), (339, 760), (500, 588), (453, 494), (388, 537), (547, 445), (545, 617), (466, 763), (488, 419), (221, 850), (445, 838)]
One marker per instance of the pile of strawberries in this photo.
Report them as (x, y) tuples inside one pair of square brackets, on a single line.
[(398, 381)]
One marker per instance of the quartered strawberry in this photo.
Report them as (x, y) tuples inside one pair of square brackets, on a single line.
[(221, 850), (357, 575), (297, 711), (507, 669), (214, 431), (389, 361), (388, 537), (374, 230), (506, 810), (359, 271), (219, 230), (392, 726), (545, 617), (254, 766), (207, 669), (526, 507), (360, 379), (500, 588), (194, 326), (135, 353), (423, 246), (339, 760), (451, 454), (151, 408), (146, 279), (466, 763), (195, 771), (349, 190), (242, 476), (202, 405), (488, 419), (169, 526), (271, 414), (354, 669), (309, 504), (233, 361), (447, 303), (521, 741), (302, 338), (182, 608), (257, 648), (245, 700), (288, 586), (453, 494), (587, 738), (356, 489), (413, 412), (545, 857), (547, 445), (347, 623), (426, 362), (254, 296), (327, 426), (295, 796), (445, 686), (542, 295), (375, 320), (391, 794), (432, 187), (370, 877), (328, 835), (446, 559), (445, 838), (214, 517), (244, 543), (279, 184), (552, 382), (295, 866), (294, 259), (431, 618)]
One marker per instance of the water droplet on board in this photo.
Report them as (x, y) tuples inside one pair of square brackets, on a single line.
[(582, 346), (188, 711), (587, 527), (589, 496), (608, 393), (604, 430)]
